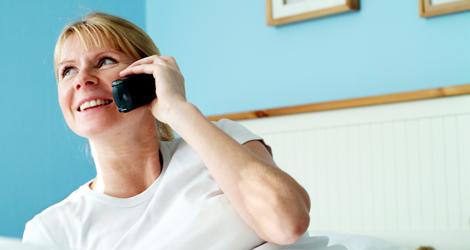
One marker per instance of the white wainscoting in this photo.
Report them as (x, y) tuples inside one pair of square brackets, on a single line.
[(400, 172)]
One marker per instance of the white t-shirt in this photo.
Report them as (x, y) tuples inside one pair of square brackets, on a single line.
[(183, 209)]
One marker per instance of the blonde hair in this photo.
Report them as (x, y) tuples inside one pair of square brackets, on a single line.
[(98, 30)]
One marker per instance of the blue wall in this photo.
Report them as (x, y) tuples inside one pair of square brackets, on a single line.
[(41, 160), (234, 62)]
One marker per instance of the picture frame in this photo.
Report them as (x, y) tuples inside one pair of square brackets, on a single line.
[(280, 12), (430, 8)]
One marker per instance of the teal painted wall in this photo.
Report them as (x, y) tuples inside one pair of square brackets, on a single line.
[(41, 160), (233, 61)]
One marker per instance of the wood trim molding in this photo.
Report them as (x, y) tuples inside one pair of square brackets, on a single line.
[(350, 5), (455, 90), (427, 9)]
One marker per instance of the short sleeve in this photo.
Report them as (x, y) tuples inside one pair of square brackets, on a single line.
[(36, 233), (239, 133)]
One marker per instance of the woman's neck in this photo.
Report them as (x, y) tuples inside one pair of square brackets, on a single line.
[(127, 164)]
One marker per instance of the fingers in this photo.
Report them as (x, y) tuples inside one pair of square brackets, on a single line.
[(135, 68), (138, 69), (155, 60), (145, 60), (147, 69), (172, 61)]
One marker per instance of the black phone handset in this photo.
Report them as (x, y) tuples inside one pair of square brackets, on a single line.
[(133, 91)]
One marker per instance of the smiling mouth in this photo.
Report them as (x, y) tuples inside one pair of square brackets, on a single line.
[(93, 104)]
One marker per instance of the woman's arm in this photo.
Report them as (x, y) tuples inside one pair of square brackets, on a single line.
[(270, 201)]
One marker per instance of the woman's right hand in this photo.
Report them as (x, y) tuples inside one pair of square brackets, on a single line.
[(169, 84)]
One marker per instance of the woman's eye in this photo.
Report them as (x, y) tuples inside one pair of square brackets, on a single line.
[(67, 71), (106, 61)]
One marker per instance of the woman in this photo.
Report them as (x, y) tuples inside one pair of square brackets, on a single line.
[(216, 187)]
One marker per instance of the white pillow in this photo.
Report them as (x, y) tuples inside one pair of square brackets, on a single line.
[(15, 244), (304, 243), (357, 242)]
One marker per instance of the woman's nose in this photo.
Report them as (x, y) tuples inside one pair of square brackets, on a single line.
[(85, 79)]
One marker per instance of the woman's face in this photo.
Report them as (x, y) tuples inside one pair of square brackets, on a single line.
[(85, 92)]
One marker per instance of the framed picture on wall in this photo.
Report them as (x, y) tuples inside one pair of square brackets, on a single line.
[(279, 12), (429, 8)]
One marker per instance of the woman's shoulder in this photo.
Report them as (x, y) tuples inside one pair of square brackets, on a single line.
[(232, 128), (237, 131), (57, 211), (48, 225)]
